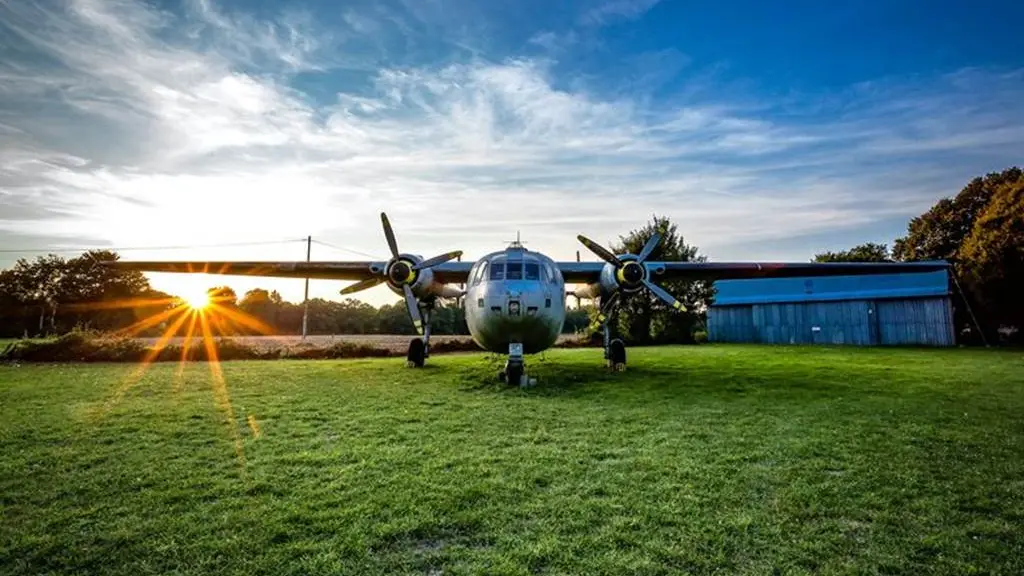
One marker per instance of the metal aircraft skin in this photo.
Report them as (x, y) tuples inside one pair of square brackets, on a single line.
[(514, 299)]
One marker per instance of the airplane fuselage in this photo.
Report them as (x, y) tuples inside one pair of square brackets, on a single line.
[(515, 296)]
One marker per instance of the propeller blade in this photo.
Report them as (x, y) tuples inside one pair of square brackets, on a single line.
[(649, 247), (664, 295), (361, 285), (437, 260), (603, 253), (605, 311), (414, 310), (389, 234)]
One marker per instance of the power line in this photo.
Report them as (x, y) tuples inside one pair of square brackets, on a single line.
[(131, 248), (347, 250)]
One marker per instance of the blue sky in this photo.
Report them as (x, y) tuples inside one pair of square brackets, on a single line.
[(767, 131)]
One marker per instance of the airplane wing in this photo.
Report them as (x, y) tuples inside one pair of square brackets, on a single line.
[(447, 272), (590, 272)]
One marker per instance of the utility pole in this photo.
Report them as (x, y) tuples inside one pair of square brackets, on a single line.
[(305, 297), (578, 305)]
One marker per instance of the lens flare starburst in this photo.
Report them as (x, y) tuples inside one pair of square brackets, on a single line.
[(203, 315), (197, 301)]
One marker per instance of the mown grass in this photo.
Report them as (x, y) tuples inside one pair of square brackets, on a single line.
[(704, 459)]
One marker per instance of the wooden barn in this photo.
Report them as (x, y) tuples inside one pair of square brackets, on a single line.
[(891, 309)]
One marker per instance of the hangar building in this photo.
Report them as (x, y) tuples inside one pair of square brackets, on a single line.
[(890, 309)]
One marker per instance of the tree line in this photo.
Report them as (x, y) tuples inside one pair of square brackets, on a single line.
[(980, 232)]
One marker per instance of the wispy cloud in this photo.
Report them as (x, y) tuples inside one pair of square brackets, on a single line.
[(611, 10), (121, 123)]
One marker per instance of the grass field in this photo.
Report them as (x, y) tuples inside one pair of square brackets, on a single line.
[(704, 459)]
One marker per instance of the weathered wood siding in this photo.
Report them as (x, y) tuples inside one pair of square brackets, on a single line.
[(919, 321)]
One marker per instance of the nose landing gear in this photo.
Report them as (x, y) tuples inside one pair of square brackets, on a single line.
[(514, 372)]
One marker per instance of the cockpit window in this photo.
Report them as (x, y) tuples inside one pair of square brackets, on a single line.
[(531, 271), (550, 274), (514, 270), (480, 274), (497, 271)]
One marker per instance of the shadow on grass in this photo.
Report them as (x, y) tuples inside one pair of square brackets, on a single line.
[(688, 378)]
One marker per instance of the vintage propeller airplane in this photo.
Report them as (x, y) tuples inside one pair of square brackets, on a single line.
[(515, 298)]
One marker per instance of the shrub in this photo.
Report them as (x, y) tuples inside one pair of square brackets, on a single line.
[(77, 346), (466, 345), (86, 345), (700, 336)]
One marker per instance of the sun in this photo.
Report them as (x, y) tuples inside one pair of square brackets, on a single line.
[(196, 299)]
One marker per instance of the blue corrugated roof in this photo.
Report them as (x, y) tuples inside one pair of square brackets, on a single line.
[(776, 290)]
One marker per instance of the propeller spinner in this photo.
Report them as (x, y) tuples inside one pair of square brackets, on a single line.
[(401, 273), (631, 275)]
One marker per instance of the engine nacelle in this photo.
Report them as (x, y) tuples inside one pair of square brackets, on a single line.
[(613, 280), (399, 272)]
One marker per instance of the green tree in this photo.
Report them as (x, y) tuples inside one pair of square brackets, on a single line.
[(258, 304), (869, 252), (36, 285), (356, 317), (992, 258), (644, 318), (394, 319), (942, 233), (224, 296), (939, 233), (578, 320)]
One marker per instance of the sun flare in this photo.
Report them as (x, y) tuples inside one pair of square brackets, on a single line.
[(197, 300)]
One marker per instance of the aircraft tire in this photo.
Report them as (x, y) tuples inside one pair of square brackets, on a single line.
[(617, 355), (416, 355), (514, 374)]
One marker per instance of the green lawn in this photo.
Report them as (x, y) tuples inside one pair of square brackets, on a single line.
[(708, 459)]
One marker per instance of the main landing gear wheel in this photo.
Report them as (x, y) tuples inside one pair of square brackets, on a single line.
[(514, 374), (617, 355), (417, 353)]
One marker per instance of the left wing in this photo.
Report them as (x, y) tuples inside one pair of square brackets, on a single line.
[(447, 272), (328, 270)]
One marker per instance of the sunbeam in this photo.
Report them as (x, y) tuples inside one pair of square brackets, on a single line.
[(185, 346), (220, 390), (146, 323), (206, 316), (119, 304)]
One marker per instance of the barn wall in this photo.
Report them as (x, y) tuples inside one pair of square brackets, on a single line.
[(923, 321)]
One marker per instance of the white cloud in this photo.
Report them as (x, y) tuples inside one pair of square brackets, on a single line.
[(610, 10), (132, 126)]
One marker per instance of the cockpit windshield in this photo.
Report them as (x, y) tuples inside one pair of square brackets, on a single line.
[(531, 270), (514, 270)]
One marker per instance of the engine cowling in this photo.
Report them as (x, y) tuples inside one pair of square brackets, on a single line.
[(628, 279), (399, 271)]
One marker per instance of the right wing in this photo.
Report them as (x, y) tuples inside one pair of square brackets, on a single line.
[(590, 272)]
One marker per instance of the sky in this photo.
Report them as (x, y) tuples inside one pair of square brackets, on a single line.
[(766, 131)]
